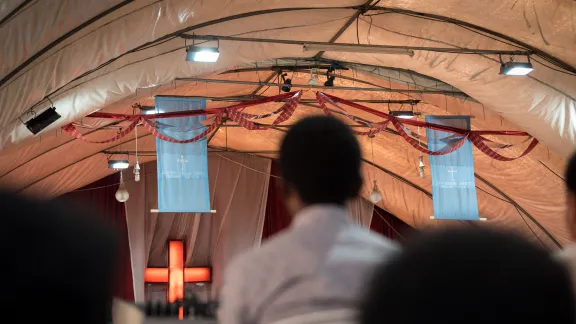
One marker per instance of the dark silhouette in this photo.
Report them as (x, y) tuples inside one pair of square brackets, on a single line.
[(57, 262), (470, 276)]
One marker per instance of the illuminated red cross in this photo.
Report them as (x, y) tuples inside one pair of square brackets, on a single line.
[(176, 274)]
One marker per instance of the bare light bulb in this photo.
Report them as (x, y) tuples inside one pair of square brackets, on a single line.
[(375, 195), (122, 194)]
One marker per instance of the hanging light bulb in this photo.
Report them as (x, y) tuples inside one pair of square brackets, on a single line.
[(122, 194), (421, 167), (375, 195)]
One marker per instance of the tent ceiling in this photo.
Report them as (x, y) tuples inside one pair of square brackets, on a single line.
[(107, 55)]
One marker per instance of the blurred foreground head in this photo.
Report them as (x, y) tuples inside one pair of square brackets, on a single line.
[(470, 276), (57, 262), (570, 177), (320, 162)]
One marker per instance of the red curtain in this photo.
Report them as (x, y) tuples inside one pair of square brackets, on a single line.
[(100, 196), (276, 217), (389, 225)]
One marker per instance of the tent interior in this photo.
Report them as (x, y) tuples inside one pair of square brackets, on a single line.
[(114, 56)]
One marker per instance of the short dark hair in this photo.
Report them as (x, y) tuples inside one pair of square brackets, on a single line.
[(571, 175), (320, 158), (470, 276)]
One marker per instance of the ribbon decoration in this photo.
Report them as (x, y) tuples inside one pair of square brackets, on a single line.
[(287, 110), (72, 130), (374, 127), (474, 136)]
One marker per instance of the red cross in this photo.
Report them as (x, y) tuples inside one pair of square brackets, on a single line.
[(176, 274)]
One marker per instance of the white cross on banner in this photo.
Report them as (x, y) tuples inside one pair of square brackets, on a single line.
[(182, 168), (453, 185)]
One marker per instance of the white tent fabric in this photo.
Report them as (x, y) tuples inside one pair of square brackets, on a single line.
[(87, 56)]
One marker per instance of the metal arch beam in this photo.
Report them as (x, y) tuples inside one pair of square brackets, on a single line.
[(62, 38), (515, 204), (277, 10), (57, 146), (14, 12), (78, 161), (187, 29), (533, 49), (346, 25)]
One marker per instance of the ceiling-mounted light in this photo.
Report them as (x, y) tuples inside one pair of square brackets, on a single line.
[(202, 54), (516, 68), (375, 195), (287, 83), (353, 48), (118, 164), (330, 76), (404, 114), (43, 120)]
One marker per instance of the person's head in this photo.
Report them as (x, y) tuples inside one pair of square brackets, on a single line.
[(320, 163), (470, 276), (58, 261), (571, 196)]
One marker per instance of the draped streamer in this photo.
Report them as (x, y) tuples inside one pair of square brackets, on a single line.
[(286, 111)]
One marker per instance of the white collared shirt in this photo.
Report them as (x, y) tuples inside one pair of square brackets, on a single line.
[(321, 262)]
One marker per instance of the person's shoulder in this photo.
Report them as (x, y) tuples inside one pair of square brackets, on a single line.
[(255, 259), (374, 240)]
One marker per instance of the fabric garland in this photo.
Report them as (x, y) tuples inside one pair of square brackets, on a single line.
[(285, 112)]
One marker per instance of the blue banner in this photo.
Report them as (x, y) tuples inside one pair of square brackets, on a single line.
[(182, 168), (453, 183)]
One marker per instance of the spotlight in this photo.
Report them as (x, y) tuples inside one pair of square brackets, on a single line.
[(202, 54), (404, 114), (287, 86), (330, 76), (43, 120), (516, 68), (118, 164)]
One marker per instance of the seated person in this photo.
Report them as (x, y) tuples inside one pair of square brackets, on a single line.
[(470, 276), (317, 267)]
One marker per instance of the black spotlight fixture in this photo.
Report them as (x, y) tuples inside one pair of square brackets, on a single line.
[(287, 83), (330, 76), (43, 120)]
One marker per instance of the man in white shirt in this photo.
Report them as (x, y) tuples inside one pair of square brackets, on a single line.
[(317, 268)]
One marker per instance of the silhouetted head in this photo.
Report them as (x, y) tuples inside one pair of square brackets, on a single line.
[(470, 276), (320, 162), (58, 262), (571, 196)]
